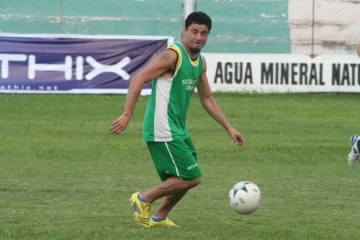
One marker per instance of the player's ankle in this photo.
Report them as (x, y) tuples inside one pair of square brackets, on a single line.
[(158, 219), (142, 199)]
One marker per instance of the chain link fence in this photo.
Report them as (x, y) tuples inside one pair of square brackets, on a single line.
[(108, 17), (309, 27), (253, 26), (324, 26)]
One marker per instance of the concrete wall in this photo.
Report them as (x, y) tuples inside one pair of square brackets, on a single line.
[(336, 26), (239, 26), (250, 26)]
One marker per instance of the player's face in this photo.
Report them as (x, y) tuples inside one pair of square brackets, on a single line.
[(195, 37)]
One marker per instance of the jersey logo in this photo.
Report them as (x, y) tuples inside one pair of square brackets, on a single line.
[(189, 84)]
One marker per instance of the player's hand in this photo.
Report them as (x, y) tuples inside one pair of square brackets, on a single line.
[(120, 124), (236, 136)]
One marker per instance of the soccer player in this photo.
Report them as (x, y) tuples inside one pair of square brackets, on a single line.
[(354, 154), (174, 75)]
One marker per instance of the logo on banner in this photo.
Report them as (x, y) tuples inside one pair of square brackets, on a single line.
[(230, 72), (66, 67)]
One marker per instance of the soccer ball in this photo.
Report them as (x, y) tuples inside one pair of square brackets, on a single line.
[(245, 197)]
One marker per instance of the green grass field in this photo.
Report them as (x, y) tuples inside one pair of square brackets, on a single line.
[(64, 176)]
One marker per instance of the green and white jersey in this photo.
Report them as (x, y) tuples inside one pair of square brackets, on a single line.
[(165, 117)]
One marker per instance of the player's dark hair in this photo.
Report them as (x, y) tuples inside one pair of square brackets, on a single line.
[(198, 18)]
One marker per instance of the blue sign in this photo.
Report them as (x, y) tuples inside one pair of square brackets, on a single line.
[(73, 64)]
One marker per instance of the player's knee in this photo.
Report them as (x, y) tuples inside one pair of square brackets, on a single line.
[(197, 181), (193, 183)]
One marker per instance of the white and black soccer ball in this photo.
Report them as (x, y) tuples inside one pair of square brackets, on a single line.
[(245, 197)]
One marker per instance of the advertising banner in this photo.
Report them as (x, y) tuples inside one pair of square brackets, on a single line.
[(281, 73), (74, 64)]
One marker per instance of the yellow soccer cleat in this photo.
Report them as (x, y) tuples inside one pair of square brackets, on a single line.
[(163, 223), (142, 210)]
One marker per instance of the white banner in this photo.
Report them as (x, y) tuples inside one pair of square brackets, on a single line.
[(281, 73)]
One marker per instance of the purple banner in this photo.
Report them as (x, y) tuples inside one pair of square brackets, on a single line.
[(73, 64)]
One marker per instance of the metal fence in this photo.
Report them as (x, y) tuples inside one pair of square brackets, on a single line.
[(309, 27), (324, 26)]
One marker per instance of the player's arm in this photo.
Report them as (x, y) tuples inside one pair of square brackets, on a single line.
[(212, 108), (208, 101), (157, 68), (358, 49)]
